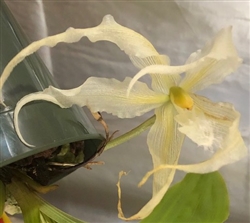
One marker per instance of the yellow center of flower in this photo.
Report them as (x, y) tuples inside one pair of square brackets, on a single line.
[(181, 98)]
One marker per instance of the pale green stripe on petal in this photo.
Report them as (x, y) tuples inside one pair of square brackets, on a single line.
[(160, 82), (204, 67), (164, 70), (221, 127), (142, 62), (164, 141), (220, 59), (218, 110), (131, 42), (109, 95), (208, 124), (99, 94), (232, 152)]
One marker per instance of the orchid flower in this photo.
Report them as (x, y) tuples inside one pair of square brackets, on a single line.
[(179, 112)]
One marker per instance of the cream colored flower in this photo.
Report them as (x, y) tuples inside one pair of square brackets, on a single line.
[(179, 112)]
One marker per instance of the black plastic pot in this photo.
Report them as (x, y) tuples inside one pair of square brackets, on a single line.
[(42, 124)]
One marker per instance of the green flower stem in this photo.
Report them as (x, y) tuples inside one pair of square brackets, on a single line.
[(131, 134)]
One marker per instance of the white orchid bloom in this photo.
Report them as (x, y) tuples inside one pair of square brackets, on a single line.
[(178, 110)]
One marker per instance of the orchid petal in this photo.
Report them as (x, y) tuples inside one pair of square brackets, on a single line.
[(160, 82), (26, 99), (109, 95), (164, 141), (203, 68), (164, 70), (133, 44), (221, 59), (150, 60), (198, 127), (99, 94), (208, 123), (218, 123), (234, 149)]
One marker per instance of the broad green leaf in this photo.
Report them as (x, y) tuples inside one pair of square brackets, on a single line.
[(197, 198), (2, 197)]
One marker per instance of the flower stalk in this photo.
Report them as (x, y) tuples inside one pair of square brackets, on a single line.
[(131, 134)]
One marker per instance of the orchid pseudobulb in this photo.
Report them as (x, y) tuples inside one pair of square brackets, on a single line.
[(179, 112)]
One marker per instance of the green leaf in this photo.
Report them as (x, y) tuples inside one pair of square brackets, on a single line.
[(197, 198), (25, 199), (54, 215), (34, 208), (2, 197)]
